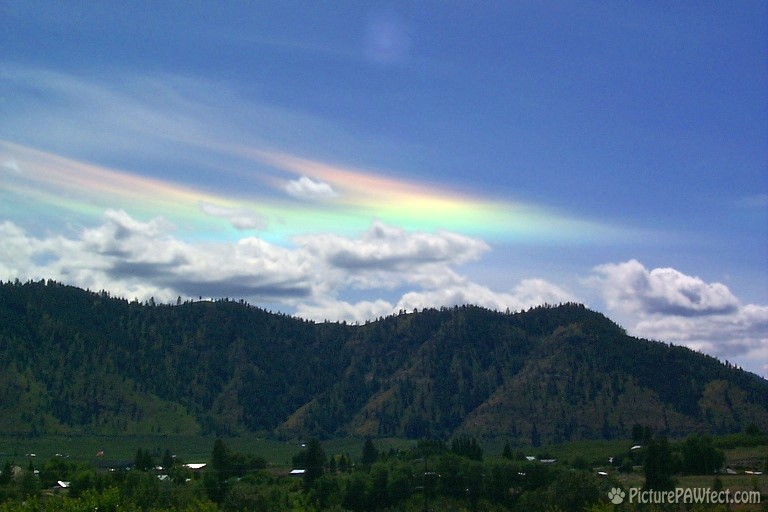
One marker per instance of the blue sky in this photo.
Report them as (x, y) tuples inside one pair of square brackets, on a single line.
[(351, 159)]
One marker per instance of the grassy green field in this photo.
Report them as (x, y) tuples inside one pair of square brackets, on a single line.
[(188, 448), (279, 453), (276, 452)]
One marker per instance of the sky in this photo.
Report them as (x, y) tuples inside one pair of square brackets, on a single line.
[(348, 160)]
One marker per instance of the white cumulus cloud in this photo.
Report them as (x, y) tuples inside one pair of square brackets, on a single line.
[(307, 188), (396, 269), (132, 258), (136, 258), (666, 304), (629, 286), (389, 248), (340, 310), (385, 257), (528, 293)]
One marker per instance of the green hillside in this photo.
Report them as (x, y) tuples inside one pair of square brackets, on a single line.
[(77, 361)]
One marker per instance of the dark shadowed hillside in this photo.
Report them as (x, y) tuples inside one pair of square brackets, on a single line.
[(76, 361)]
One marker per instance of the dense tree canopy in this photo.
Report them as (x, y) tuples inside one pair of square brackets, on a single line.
[(426, 474), (73, 361)]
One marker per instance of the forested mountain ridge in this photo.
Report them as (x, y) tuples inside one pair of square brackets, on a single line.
[(77, 361)]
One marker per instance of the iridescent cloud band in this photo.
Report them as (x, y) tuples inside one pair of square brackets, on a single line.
[(55, 183)]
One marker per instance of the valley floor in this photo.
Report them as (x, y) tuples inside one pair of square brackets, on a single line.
[(585, 471)]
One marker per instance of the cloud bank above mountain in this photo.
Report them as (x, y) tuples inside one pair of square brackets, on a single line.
[(396, 268)]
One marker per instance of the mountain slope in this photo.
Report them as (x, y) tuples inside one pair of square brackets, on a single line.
[(77, 361)]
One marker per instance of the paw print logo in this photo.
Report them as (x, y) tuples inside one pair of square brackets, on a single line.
[(616, 495)]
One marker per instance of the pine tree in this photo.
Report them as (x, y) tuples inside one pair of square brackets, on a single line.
[(143, 461), (658, 466), (167, 459), (370, 453), (220, 457), (701, 456), (216, 475), (314, 462), (507, 453), (467, 447), (30, 484)]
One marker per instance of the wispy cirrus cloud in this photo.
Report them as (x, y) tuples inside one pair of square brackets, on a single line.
[(417, 204), (343, 200), (240, 218), (173, 129), (12, 165), (160, 167)]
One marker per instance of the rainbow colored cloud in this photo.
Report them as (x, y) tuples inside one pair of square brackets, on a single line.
[(295, 196)]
